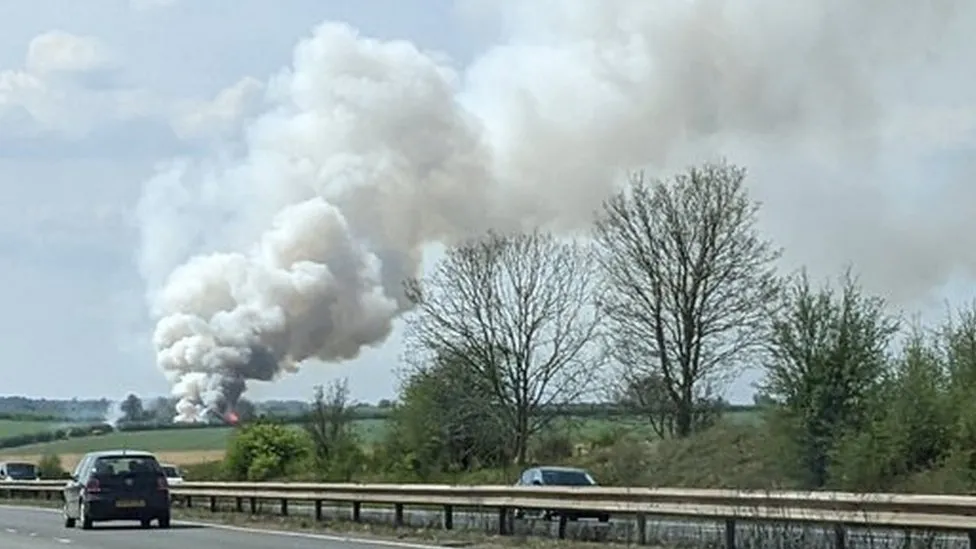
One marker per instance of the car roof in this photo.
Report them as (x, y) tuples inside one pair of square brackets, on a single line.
[(561, 469), (121, 452)]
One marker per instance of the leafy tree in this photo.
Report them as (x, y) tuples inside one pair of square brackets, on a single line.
[(262, 451), (448, 420), (517, 310), (162, 409), (330, 427), (132, 409), (909, 428), (692, 285), (827, 364)]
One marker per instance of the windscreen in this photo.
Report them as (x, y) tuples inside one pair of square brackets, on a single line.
[(21, 471), (566, 478)]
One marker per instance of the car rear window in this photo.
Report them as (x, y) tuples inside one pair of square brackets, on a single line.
[(125, 465), (21, 470), (566, 478), (170, 471)]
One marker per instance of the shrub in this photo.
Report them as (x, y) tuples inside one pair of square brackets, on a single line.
[(262, 451), (49, 467)]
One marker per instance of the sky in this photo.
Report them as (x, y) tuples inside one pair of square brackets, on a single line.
[(136, 135)]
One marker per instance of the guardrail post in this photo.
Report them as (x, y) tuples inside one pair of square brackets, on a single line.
[(729, 534), (318, 510), (254, 505), (189, 501), (213, 504), (503, 521), (972, 539), (840, 536), (357, 511), (562, 525), (449, 517), (398, 515), (284, 507), (239, 504), (642, 529)]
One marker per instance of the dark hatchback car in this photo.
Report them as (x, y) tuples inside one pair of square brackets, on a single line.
[(117, 485), (558, 476)]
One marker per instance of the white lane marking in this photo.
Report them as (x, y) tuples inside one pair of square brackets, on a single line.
[(307, 535), (282, 533), (29, 508), (11, 530), (62, 540)]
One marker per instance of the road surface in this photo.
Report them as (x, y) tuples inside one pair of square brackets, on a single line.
[(39, 528), (661, 531), (26, 528)]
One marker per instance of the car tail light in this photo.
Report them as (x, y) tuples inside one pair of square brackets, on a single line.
[(93, 486), (161, 484)]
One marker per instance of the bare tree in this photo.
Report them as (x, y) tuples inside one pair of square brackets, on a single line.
[(645, 394), (692, 284), (329, 421), (517, 310)]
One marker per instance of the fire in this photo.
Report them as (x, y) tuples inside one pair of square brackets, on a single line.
[(232, 417)]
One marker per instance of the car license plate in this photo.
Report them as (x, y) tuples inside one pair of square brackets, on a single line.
[(130, 503)]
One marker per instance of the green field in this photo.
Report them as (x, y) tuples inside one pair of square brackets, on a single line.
[(177, 440), (215, 438), (10, 427)]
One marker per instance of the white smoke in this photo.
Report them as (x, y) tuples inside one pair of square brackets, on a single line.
[(299, 236), (114, 413)]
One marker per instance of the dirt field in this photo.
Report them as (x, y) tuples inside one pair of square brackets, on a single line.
[(68, 461)]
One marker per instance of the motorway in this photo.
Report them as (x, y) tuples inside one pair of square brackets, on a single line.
[(38, 528), (660, 531), (25, 528)]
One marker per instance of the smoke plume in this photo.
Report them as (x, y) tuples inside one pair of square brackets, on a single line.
[(291, 243)]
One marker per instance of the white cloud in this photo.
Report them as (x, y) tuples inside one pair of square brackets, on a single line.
[(221, 115), (143, 5), (59, 51), (57, 89)]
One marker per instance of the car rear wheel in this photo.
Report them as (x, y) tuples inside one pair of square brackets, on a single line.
[(164, 521), (145, 523)]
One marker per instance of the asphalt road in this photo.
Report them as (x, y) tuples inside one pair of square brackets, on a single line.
[(25, 528), (661, 530), (36, 528)]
